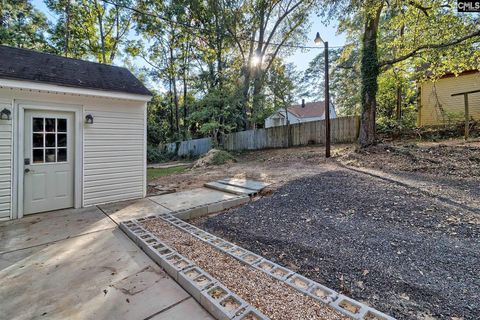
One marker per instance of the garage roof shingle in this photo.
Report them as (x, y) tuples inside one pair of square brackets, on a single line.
[(28, 65)]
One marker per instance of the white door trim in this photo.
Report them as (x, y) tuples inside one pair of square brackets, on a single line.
[(21, 106)]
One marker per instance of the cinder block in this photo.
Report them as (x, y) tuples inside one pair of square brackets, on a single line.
[(205, 236), (226, 246), (237, 251), (129, 229), (174, 263), (144, 239), (280, 273), (158, 249), (273, 269), (222, 303), (194, 280), (251, 314), (190, 229), (349, 307), (299, 282), (250, 258), (159, 253), (372, 314), (322, 293), (264, 265), (216, 241)]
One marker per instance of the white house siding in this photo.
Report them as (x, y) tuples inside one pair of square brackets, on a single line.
[(114, 148), (5, 164), (114, 153)]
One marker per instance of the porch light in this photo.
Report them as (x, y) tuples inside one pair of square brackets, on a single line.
[(5, 114), (89, 119)]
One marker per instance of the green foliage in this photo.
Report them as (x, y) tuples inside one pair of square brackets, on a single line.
[(154, 154), (217, 113), (213, 74), (158, 113), (22, 26), (90, 28)]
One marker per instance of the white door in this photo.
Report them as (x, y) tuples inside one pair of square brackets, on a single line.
[(48, 161)]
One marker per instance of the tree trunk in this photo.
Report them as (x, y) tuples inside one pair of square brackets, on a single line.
[(369, 73), (174, 86), (67, 28), (399, 103), (102, 36), (172, 130)]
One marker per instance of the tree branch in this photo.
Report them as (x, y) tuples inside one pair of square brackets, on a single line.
[(429, 47)]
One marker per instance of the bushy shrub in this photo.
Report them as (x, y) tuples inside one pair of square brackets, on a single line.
[(155, 155)]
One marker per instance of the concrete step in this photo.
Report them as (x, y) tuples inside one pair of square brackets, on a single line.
[(229, 188), (245, 183)]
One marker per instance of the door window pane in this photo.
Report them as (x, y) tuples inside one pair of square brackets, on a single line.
[(50, 124), (37, 125), (38, 156), (50, 140), (37, 140), (61, 140), (61, 155), (61, 125), (50, 155)]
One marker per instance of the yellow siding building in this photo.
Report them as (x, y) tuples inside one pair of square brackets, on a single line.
[(437, 106)]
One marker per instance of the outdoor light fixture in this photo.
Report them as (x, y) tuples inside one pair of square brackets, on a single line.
[(5, 114), (89, 119), (319, 40)]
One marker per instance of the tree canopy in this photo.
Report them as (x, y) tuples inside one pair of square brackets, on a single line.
[(221, 65)]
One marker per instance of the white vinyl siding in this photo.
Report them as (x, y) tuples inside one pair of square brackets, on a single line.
[(5, 165), (114, 154)]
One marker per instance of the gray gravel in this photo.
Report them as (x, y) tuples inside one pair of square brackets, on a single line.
[(404, 253)]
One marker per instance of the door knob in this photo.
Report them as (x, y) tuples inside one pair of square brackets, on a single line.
[(27, 170)]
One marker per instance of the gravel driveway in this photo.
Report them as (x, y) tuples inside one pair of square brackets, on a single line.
[(401, 251)]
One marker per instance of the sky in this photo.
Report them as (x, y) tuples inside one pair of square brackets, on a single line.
[(300, 58)]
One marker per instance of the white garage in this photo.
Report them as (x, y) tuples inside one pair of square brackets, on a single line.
[(72, 133)]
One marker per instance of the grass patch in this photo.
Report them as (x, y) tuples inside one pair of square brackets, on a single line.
[(153, 173)]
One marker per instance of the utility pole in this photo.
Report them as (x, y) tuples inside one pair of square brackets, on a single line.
[(319, 40), (327, 105)]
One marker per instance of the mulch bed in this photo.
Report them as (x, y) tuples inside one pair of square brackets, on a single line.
[(275, 299), (398, 250)]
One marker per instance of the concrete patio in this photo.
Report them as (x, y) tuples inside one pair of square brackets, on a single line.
[(77, 264)]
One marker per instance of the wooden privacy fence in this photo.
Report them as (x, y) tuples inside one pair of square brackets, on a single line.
[(344, 129), (194, 147)]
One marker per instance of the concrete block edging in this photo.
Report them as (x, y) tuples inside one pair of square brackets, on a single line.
[(345, 305), (201, 285)]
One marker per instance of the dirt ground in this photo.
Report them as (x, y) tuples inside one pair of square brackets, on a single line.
[(276, 166)]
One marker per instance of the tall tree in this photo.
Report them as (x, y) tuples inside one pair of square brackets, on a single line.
[(95, 28), (22, 26), (262, 29), (382, 19)]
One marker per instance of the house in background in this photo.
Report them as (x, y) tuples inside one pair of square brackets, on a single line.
[(72, 133), (437, 106), (304, 112)]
